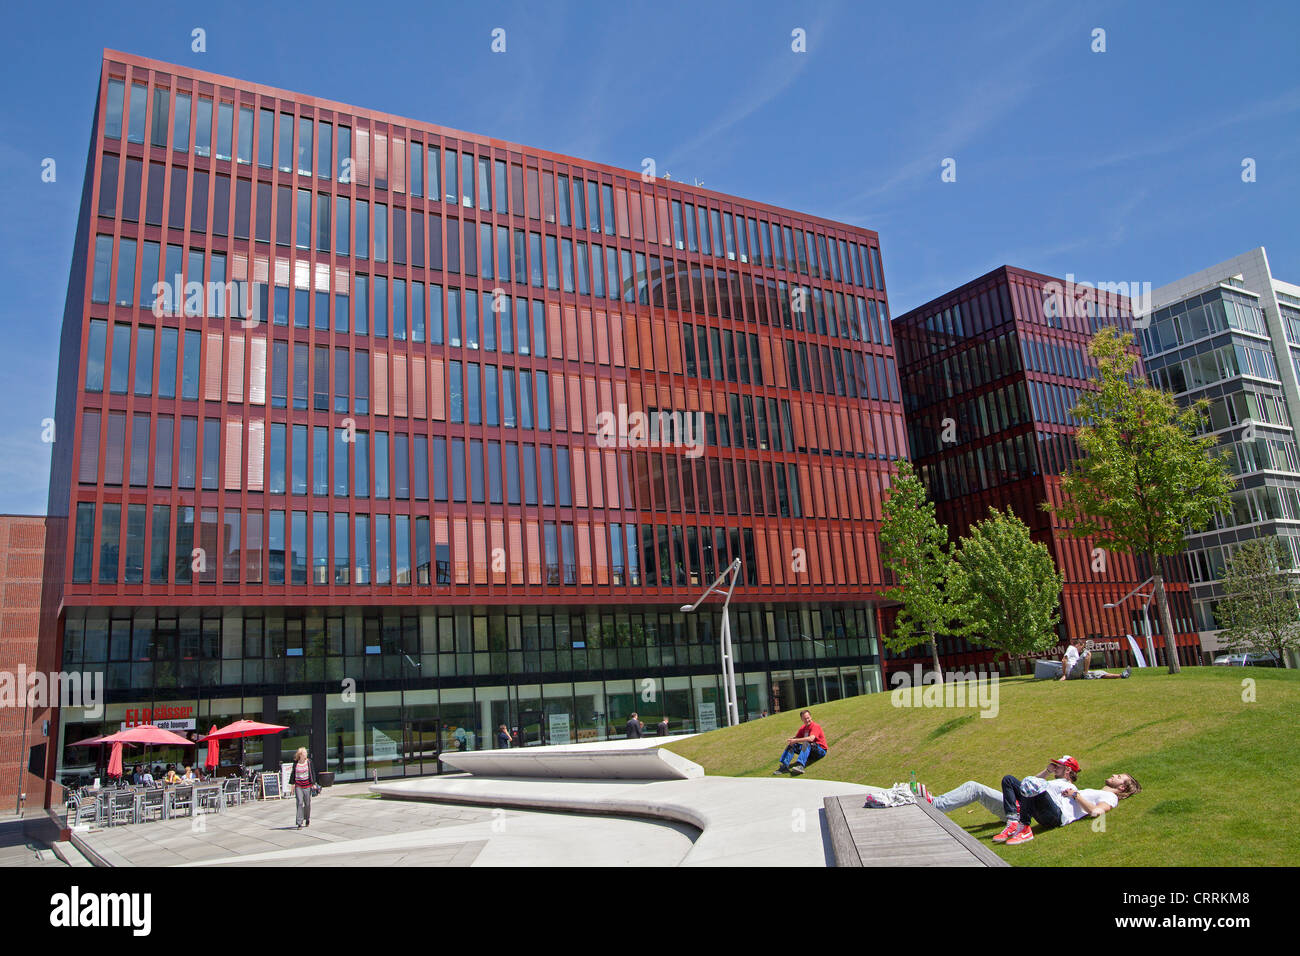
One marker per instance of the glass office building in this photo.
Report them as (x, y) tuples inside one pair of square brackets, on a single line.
[(990, 372), (393, 433), (1230, 334)]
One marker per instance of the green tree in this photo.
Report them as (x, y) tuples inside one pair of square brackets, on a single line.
[(913, 546), (1146, 476), (1258, 612), (1006, 585)]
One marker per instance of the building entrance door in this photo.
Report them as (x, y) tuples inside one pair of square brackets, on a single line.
[(420, 741)]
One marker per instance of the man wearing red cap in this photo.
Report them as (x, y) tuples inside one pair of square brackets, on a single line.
[(1057, 803), (1064, 768)]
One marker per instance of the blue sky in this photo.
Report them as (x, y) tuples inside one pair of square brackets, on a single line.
[(1122, 165)]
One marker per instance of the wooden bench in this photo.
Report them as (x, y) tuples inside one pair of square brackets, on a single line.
[(912, 835)]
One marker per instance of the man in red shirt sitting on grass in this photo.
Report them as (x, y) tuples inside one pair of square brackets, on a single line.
[(808, 745)]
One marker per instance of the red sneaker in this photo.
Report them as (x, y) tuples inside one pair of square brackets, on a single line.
[(1023, 835), (1012, 827)]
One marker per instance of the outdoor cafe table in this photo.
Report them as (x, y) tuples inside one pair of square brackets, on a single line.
[(201, 792)]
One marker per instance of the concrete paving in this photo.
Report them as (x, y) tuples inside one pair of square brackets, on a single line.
[(19, 848), (742, 821), (352, 827)]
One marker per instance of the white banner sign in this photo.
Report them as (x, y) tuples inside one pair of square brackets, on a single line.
[(708, 717), (559, 729), (383, 746)]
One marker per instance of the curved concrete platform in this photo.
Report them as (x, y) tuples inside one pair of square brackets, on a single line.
[(742, 821), (638, 759)]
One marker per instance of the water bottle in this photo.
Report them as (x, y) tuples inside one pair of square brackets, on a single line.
[(913, 784)]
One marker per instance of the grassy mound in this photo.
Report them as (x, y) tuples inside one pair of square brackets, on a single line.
[(1213, 747)]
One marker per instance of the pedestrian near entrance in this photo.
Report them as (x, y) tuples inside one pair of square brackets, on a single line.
[(663, 727), (304, 785), (503, 738), (634, 727)]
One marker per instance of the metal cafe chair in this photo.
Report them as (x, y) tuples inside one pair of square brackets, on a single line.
[(84, 808), (122, 807), (180, 801), (231, 791), (153, 804), (207, 798), (103, 802)]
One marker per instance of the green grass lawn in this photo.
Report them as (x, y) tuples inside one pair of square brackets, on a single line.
[(1216, 770)]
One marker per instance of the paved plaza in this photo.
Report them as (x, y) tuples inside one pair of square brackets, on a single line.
[(352, 826)]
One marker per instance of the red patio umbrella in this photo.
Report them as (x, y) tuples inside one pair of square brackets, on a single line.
[(244, 728), (239, 729), (115, 761), (214, 746), (147, 734), (88, 742)]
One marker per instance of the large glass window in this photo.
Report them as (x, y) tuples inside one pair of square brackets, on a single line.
[(136, 118), (286, 143), (99, 289), (109, 535), (113, 111), (381, 464), (225, 129)]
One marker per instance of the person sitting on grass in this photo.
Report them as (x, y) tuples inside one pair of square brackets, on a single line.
[(1056, 803), (807, 746), (1062, 768), (1074, 666)]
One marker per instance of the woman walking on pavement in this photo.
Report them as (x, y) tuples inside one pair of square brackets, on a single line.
[(304, 785)]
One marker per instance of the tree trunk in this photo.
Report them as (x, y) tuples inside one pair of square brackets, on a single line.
[(1166, 619), (934, 652)]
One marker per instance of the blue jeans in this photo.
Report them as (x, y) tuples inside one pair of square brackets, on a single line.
[(804, 753), (971, 792), (1039, 807)]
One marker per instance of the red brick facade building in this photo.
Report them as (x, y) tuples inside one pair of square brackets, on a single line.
[(22, 544)]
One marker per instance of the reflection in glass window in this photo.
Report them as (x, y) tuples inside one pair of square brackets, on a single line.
[(225, 129), (304, 145), (113, 120), (456, 395), (286, 143), (265, 136), (473, 404), (245, 153), (136, 118), (345, 155), (99, 288), (121, 358), (181, 124), (607, 194)]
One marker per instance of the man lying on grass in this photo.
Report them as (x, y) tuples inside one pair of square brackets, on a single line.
[(1056, 803), (1050, 798), (972, 791)]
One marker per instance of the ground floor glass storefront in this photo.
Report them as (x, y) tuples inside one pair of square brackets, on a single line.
[(434, 680)]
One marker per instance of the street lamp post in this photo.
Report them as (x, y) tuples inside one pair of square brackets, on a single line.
[(1146, 617), (728, 669)]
